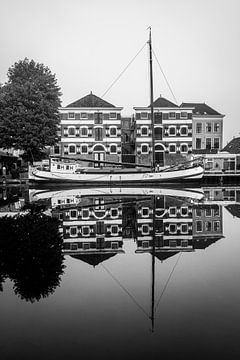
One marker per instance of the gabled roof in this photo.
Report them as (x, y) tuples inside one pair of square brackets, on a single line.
[(233, 147), (162, 102), (201, 109), (234, 210), (163, 255), (93, 259), (91, 101)]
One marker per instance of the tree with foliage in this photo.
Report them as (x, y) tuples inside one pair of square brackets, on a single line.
[(31, 254), (29, 103)]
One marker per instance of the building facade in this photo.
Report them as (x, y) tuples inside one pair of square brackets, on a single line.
[(90, 129), (207, 128), (172, 133)]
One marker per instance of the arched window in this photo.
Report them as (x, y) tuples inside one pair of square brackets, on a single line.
[(98, 148)]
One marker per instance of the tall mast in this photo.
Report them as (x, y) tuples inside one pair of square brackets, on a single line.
[(151, 96)]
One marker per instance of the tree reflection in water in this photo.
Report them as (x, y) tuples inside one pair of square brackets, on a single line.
[(31, 254)]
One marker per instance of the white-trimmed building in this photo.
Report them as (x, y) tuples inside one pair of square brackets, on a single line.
[(173, 132), (90, 129)]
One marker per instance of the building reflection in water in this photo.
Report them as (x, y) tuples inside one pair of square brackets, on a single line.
[(94, 225)]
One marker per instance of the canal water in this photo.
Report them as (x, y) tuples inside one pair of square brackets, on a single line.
[(120, 273)]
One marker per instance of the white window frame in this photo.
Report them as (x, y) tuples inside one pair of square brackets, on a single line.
[(175, 130), (114, 243), (145, 232), (74, 128), (85, 217), (73, 235), (86, 227), (112, 127), (112, 152), (145, 208), (73, 217), (114, 216), (184, 127), (82, 146), (112, 227), (185, 116), (183, 144), (81, 128), (172, 152), (172, 232), (172, 117), (184, 232), (69, 117), (184, 207), (199, 221), (83, 117), (169, 211), (145, 152), (141, 129), (72, 153)]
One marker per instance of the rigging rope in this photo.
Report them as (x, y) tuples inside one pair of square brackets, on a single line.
[(165, 77), (129, 294), (123, 71), (166, 284)]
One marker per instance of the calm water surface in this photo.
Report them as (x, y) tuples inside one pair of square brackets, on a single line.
[(120, 273)]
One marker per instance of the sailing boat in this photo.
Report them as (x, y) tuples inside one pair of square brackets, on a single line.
[(67, 170)]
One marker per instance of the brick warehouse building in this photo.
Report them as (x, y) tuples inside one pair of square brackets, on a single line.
[(91, 129), (173, 133)]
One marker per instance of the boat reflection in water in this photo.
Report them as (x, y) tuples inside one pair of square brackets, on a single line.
[(93, 225)]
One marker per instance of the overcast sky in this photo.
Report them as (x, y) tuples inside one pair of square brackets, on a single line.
[(87, 43)]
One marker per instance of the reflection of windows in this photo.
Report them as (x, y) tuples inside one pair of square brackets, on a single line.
[(145, 212), (172, 211), (114, 229), (114, 245), (86, 246), (172, 130), (100, 228), (145, 229), (85, 230), (216, 225), (114, 213), (73, 231), (73, 246), (172, 228), (208, 226), (73, 213), (199, 226), (184, 211), (172, 243), (184, 228), (85, 213), (145, 244), (216, 212), (184, 243), (208, 212)]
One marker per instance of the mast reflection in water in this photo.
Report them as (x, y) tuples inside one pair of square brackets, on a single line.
[(115, 242)]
